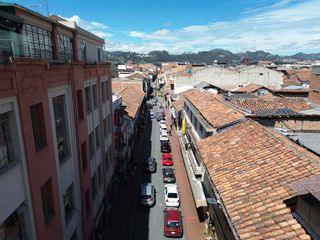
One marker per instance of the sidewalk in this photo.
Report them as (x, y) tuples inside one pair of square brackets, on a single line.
[(193, 229), (118, 223)]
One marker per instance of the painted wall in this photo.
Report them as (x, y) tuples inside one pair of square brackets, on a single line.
[(222, 76)]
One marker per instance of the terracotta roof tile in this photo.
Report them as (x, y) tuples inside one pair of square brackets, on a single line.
[(131, 93), (251, 167), (249, 88), (213, 108), (254, 104)]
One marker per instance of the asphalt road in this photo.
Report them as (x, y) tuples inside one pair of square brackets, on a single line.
[(147, 223)]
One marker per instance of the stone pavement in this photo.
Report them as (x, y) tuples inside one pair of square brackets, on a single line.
[(193, 228)]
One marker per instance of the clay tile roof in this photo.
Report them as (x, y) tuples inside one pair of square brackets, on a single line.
[(213, 108), (254, 104), (138, 75), (132, 95), (249, 88), (252, 167)]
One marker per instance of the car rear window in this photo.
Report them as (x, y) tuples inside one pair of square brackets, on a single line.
[(172, 195), (173, 224), (145, 196)]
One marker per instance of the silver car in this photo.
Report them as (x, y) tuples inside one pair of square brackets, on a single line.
[(147, 194)]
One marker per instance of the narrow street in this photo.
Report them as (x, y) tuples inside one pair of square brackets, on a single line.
[(129, 220)]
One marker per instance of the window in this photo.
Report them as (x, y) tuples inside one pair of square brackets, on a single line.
[(106, 90), (59, 109), (68, 202), (109, 123), (47, 201), (99, 175), (6, 148), (99, 54), (97, 133), (88, 100), (91, 144), (95, 96), (87, 202), (65, 47), (201, 128), (84, 155), (261, 74), (37, 42), (94, 186), (80, 104), (105, 130), (103, 91), (38, 126)]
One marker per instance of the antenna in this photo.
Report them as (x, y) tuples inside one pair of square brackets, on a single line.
[(35, 7), (47, 7)]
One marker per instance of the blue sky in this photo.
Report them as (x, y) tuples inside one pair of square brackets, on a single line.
[(278, 26)]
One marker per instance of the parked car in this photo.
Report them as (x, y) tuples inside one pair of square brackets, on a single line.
[(160, 117), (152, 115), (150, 165), (167, 159), (172, 225), (168, 175), (163, 127), (165, 147), (163, 133), (162, 122), (164, 139), (147, 194), (171, 195)]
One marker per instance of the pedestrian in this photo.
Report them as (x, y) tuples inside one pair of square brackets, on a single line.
[(171, 126)]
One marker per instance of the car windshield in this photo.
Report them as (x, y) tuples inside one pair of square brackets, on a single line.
[(145, 196), (172, 195), (168, 173), (173, 224), (168, 159)]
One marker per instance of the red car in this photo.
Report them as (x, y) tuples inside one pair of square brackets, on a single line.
[(167, 159), (172, 225)]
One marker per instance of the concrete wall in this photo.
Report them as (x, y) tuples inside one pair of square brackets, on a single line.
[(222, 76)]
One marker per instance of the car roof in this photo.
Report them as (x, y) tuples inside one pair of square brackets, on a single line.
[(168, 170), (146, 189), (173, 214), (171, 188), (167, 155), (164, 139)]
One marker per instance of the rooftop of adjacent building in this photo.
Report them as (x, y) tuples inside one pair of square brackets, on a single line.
[(252, 168)]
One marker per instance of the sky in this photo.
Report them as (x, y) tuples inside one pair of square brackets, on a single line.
[(282, 27)]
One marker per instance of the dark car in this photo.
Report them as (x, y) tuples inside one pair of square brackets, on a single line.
[(150, 165), (168, 175), (165, 147), (172, 225)]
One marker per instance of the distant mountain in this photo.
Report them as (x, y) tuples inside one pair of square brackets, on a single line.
[(207, 57), (304, 56)]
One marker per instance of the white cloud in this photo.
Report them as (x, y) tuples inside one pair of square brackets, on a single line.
[(283, 28), (97, 28), (168, 23)]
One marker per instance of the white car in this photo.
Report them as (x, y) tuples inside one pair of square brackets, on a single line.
[(162, 122), (163, 134), (163, 127), (171, 195)]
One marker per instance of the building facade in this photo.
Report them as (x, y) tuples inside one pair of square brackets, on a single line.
[(56, 142)]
